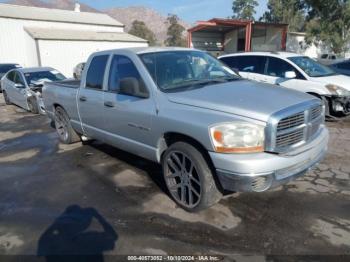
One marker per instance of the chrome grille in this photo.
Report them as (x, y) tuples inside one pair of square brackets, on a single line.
[(290, 122), (290, 138), (294, 126)]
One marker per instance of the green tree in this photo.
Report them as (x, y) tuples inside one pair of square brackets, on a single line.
[(140, 29), (286, 11), (244, 9), (329, 24), (175, 32)]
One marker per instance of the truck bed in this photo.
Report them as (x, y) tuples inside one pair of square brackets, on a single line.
[(61, 93)]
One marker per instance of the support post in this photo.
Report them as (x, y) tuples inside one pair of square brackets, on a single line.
[(284, 39), (248, 37)]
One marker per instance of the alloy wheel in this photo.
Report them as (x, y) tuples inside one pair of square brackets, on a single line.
[(182, 179)]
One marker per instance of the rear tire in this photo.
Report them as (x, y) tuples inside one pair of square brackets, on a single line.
[(64, 128), (33, 105), (6, 98), (188, 177)]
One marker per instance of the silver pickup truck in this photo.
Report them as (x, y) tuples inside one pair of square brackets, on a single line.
[(212, 131)]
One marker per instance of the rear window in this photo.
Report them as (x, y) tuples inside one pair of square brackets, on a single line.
[(95, 74)]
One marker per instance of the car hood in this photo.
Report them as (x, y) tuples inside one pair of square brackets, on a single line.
[(244, 98), (339, 80)]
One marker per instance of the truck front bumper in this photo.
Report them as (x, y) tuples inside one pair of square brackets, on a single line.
[(262, 171)]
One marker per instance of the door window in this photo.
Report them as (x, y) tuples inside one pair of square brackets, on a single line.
[(232, 61), (277, 68), (18, 79), (124, 71), (11, 76), (96, 72), (251, 64)]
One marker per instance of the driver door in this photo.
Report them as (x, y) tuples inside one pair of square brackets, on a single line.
[(20, 91), (275, 74)]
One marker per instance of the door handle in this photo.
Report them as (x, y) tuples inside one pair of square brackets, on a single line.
[(82, 98), (109, 104)]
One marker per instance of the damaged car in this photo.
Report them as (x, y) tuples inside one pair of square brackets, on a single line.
[(23, 87)]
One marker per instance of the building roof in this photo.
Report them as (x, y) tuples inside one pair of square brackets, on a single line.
[(56, 15), (75, 35)]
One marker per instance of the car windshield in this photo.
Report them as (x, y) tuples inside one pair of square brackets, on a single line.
[(179, 70), (42, 76), (6, 68), (311, 67)]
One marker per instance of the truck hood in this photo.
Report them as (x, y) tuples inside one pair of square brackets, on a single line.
[(244, 98), (339, 80)]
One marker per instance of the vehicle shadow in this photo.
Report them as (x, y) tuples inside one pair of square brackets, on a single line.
[(74, 236), (153, 170)]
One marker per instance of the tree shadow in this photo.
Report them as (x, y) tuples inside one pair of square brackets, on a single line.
[(74, 236)]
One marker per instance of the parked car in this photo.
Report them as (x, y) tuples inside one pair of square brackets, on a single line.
[(342, 67), (210, 129), (296, 72), (327, 59), (4, 68), (78, 69), (23, 87)]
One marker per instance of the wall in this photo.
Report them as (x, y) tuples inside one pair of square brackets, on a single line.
[(64, 55), (231, 41), (17, 46), (210, 41), (271, 41), (296, 44)]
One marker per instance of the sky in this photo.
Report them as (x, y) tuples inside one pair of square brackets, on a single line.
[(188, 10)]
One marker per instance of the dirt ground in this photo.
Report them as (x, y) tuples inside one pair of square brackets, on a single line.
[(115, 203)]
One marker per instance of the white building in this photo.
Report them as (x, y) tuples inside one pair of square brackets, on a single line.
[(32, 36), (296, 43)]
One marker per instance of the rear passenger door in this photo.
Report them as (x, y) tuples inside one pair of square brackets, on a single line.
[(90, 97), (128, 106), (250, 67)]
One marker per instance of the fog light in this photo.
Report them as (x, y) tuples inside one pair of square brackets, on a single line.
[(261, 183)]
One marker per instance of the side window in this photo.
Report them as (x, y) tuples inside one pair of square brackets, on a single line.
[(252, 64), (11, 76), (124, 74), (230, 61), (18, 78), (96, 72), (277, 67)]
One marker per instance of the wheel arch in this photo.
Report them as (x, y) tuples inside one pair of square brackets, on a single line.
[(170, 138)]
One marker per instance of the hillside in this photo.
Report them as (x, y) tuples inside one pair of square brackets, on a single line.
[(154, 20)]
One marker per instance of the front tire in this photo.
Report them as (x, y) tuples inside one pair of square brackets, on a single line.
[(188, 177), (33, 105), (6, 98), (64, 128)]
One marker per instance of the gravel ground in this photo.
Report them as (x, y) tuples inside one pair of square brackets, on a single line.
[(112, 202)]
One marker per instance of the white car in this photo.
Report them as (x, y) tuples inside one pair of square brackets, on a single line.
[(296, 72), (23, 87)]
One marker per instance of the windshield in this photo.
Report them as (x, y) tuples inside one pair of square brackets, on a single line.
[(175, 70), (42, 76), (311, 67)]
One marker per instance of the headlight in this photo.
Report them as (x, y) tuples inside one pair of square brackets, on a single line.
[(337, 90), (238, 137)]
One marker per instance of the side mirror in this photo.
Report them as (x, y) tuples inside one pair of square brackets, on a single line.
[(132, 87), (19, 85), (290, 75)]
